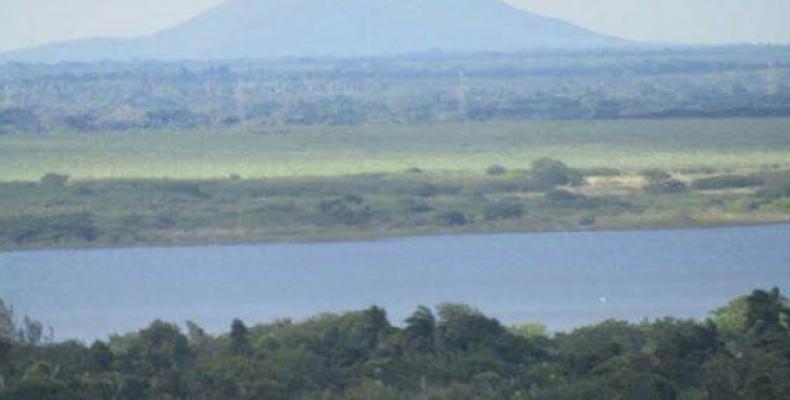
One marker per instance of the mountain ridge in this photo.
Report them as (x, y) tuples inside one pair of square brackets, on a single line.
[(239, 29)]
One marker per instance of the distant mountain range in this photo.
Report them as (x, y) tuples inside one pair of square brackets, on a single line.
[(248, 29)]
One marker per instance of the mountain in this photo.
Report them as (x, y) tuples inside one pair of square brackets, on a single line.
[(281, 28)]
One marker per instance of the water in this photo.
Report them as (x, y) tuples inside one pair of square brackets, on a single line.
[(561, 279)]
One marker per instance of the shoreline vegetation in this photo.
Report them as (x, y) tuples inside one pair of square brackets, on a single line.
[(549, 197), (452, 351), (380, 181)]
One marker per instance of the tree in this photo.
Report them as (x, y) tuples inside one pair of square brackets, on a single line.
[(101, 357), (161, 346), (464, 328), (239, 338), (32, 331), (420, 330), (767, 314), (548, 174), (6, 322)]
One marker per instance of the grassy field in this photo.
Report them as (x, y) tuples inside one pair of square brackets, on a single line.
[(253, 153)]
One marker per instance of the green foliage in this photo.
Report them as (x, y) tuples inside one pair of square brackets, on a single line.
[(347, 210), (462, 354), (565, 199), (666, 186), (727, 182), (661, 182), (239, 338), (67, 228), (130, 212), (732, 318), (503, 209), (452, 218), (6, 322), (547, 174), (656, 175), (54, 180), (496, 170)]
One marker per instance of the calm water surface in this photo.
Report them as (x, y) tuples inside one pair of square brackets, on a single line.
[(561, 279)]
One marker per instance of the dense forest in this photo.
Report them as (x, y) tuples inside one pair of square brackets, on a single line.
[(455, 352), (711, 82)]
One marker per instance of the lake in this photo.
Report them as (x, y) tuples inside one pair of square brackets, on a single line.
[(563, 280)]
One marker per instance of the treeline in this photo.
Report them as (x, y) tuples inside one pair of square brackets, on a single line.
[(154, 96), (455, 352)]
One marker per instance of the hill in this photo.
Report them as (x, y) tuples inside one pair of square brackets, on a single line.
[(243, 29)]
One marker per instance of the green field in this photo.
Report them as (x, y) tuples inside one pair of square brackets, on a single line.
[(725, 144)]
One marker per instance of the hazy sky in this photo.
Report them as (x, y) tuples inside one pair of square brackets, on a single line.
[(31, 22)]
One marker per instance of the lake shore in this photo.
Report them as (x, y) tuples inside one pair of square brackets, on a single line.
[(379, 236)]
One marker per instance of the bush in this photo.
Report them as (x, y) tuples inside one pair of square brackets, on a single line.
[(427, 189), (496, 170), (661, 182), (503, 210), (54, 180), (69, 227), (186, 188), (416, 205), (667, 186), (656, 175), (548, 174), (452, 218), (564, 198), (776, 191), (348, 210), (601, 171), (728, 182)]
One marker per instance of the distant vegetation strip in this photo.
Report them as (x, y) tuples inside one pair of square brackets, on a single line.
[(549, 196), (455, 352), (748, 81)]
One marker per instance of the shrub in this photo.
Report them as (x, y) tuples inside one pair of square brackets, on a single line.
[(427, 189), (601, 171), (452, 218), (728, 182), (564, 198), (69, 227), (656, 175), (416, 205), (348, 210), (776, 191), (505, 209), (187, 188), (54, 180), (496, 170), (667, 186), (661, 182), (548, 174)]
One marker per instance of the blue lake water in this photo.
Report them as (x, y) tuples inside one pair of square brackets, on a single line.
[(561, 279)]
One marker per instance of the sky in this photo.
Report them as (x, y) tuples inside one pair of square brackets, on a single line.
[(25, 23)]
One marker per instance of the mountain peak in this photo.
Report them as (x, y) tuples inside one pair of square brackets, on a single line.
[(281, 28)]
